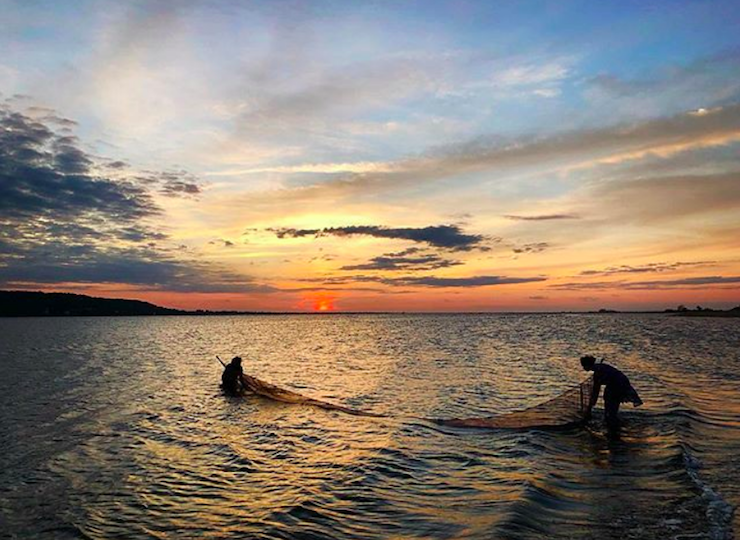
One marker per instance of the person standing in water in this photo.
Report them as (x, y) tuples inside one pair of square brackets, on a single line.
[(231, 378), (618, 390)]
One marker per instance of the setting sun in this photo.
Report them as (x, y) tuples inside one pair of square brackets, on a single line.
[(318, 302), (323, 304)]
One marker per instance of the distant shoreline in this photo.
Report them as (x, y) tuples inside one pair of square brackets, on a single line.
[(41, 304)]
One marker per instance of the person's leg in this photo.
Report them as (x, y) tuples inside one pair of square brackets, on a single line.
[(611, 409)]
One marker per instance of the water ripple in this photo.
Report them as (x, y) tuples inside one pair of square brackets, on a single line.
[(130, 437)]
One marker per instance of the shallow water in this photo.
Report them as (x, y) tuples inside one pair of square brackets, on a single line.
[(115, 427)]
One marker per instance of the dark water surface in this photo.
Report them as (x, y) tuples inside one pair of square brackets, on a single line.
[(115, 428)]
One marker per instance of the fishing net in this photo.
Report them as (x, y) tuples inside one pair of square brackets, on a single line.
[(253, 384), (569, 407)]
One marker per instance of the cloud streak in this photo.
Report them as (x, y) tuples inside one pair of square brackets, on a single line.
[(645, 268), (543, 217), (669, 198), (707, 282), (430, 281), (565, 151)]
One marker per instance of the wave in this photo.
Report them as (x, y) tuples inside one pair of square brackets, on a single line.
[(556, 502)]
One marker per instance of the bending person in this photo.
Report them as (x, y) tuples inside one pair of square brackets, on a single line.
[(231, 378), (618, 390)]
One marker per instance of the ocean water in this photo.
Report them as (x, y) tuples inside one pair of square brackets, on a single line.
[(116, 428)]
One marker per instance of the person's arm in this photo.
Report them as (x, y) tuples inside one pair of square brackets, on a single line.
[(593, 399), (594, 394), (240, 381)]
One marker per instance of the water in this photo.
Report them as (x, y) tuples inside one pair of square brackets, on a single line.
[(115, 427)]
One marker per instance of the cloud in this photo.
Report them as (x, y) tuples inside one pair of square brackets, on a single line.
[(323, 103), (45, 177), (347, 90), (693, 282), (565, 151), (475, 281), (661, 199), (536, 247), (179, 188), (406, 260), (429, 281), (442, 236), (168, 183), (706, 82), (645, 268), (146, 268), (61, 221), (318, 168), (543, 217), (222, 242)]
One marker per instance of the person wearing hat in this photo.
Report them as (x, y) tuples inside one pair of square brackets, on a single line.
[(617, 390), (231, 378)]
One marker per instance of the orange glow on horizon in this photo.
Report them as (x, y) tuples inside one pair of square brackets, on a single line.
[(323, 303), (318, 302)]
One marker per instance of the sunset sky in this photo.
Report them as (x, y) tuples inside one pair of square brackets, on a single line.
[(372, 156)]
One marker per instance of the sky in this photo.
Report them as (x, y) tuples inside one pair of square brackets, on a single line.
[(372, 155)]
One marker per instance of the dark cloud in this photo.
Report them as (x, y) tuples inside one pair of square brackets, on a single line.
[(429, 281), (544, 217), (179, 188), (698, 281), (410, 259), (42, 175), (62, 222), (134, 234), (536, 247), (178, 184), (326, 257), (642, 269), (475, 281), (442, 236), (425, 262), (168, 183), (694, 282), (143, 267)]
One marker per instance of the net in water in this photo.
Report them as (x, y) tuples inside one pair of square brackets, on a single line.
[(271, 391), (569, 407)]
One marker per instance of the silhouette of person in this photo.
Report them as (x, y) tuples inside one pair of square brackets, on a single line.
[(618, 390), (231, 378)]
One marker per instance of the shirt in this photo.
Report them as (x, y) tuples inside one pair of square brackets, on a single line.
[(611, 377)]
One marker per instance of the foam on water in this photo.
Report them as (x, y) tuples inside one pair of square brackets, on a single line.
[(719, 512)]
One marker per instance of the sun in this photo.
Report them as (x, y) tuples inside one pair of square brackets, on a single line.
[(323, 304)]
